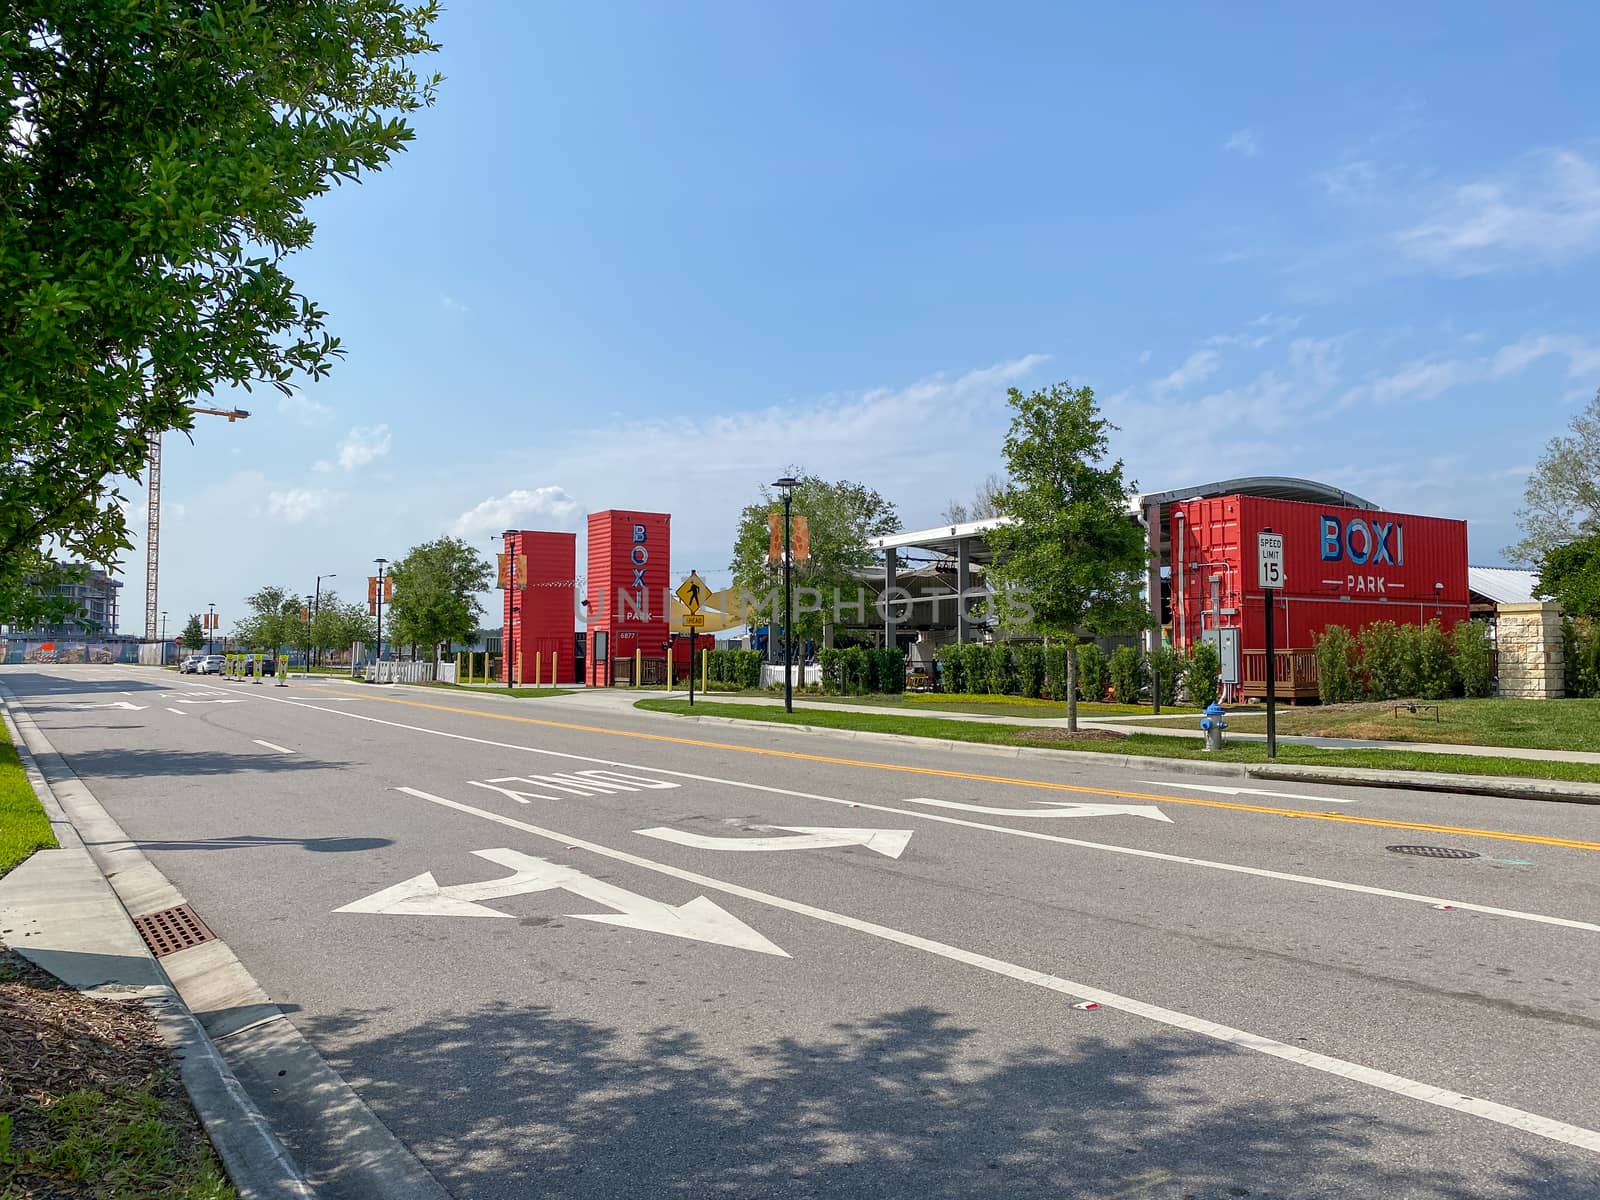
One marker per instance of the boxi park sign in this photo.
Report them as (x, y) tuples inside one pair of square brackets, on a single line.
[(1363, 543)]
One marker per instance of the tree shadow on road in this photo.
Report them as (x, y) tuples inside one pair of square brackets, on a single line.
[(254, 841), (510, 1101), (137, 762)]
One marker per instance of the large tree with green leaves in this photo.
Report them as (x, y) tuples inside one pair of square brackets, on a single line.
[(272, 622), (193, 635), (1570, 575), (1561, 502), (1070, 554), (154, 174), (436, 588), (841, 518)]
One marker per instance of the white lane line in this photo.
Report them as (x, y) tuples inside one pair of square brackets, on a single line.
[(272, 746), (1246, 791), (1033, 835), (178, 711), (1400, 1085)]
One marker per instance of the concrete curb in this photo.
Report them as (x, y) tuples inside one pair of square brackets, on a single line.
[(1509, 786), (211, 999), (257, 1163)]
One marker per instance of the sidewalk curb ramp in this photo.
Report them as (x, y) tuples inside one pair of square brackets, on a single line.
[(1509, 786), (233, 1044)]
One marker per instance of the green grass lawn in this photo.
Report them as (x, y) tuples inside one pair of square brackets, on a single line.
[(23, 826), (1522, 724), (519, 693), (1150, 745), (984, 705)]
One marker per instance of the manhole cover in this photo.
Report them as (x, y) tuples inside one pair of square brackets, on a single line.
[(1433, 851), (172, 929)]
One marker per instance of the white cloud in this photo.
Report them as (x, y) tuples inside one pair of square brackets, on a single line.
[(1355, 180), (362, 445), (1197, 368), (299, 407), (1582, 357), (1144, 357), (1243, 141), (451, 304), (1543, 211), (1421, 380), (297, 504), (503, 512), (1258, 332)]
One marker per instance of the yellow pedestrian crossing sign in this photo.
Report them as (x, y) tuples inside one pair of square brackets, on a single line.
[(692, 592)]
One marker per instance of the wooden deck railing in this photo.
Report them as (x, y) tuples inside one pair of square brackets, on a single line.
[(1296, 672)]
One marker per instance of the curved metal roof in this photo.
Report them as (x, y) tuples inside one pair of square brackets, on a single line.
[(1272, 487)]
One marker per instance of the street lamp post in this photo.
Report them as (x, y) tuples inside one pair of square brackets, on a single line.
[(211, 624), (382, 562), (163, 637), (316, 611), (787, 485)]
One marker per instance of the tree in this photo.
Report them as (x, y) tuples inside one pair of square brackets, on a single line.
[(1570, 575), (1070, 552), (154, 174), (842, 519), (436, 588), (985, 503), (193, 635), (273, 620), (1561, 502)]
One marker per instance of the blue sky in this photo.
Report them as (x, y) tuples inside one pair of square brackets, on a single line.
[(648, 256)]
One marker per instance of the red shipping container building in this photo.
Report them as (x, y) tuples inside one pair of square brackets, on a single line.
[(538, 612), (630, 559), (1342, 566)]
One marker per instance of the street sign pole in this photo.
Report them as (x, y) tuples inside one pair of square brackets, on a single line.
[(1269, 565), (691, 666)]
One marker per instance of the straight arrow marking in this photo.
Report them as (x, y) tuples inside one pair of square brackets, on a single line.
[(1246, 791), (888, 842), (1055, 810)]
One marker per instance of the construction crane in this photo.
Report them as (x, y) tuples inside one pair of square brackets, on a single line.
[(152, 549)]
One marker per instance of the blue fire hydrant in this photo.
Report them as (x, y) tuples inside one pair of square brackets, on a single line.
[(1213, 725)]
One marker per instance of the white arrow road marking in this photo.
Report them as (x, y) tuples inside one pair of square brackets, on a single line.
[(1244, 791), (1386, 1081), (1055, 810), (699, 920), (115, 704), (272, 746), (889, 842)]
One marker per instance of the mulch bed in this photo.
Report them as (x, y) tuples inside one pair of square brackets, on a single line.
[(1046, 735), (55, 1042)]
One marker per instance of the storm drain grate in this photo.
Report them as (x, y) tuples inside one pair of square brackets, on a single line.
[(172, 929), (1433, 851)]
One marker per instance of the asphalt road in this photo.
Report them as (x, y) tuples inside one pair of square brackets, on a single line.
[(1285, 1006)]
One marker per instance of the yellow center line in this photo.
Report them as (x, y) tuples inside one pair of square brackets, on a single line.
[(1046, 785)]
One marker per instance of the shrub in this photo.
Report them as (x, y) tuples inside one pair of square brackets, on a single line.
[(1165, 665), (1338, 672), (892, 670), (1092, 676), (1055, 672), (1436, 673), (853, 670), (1390, 659), (1582, 638), (829, 661), (1002, 670), (1469, 645), (1127, 674), (1030, 669), (975, 660), (1200, 673), (950, 674)]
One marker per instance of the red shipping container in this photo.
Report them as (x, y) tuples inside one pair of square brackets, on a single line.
[(1342, 566), (539, 612), (630, 560)]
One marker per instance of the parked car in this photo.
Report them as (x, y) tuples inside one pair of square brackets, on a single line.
[(211, 664), (190, 664)]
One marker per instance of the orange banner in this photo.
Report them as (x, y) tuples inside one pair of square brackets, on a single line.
[(774, 537), (800, 539)]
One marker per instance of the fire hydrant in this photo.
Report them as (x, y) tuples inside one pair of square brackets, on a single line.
[(1213, 725)]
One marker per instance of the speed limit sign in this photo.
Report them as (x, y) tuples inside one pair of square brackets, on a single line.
[(1269, 560)]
